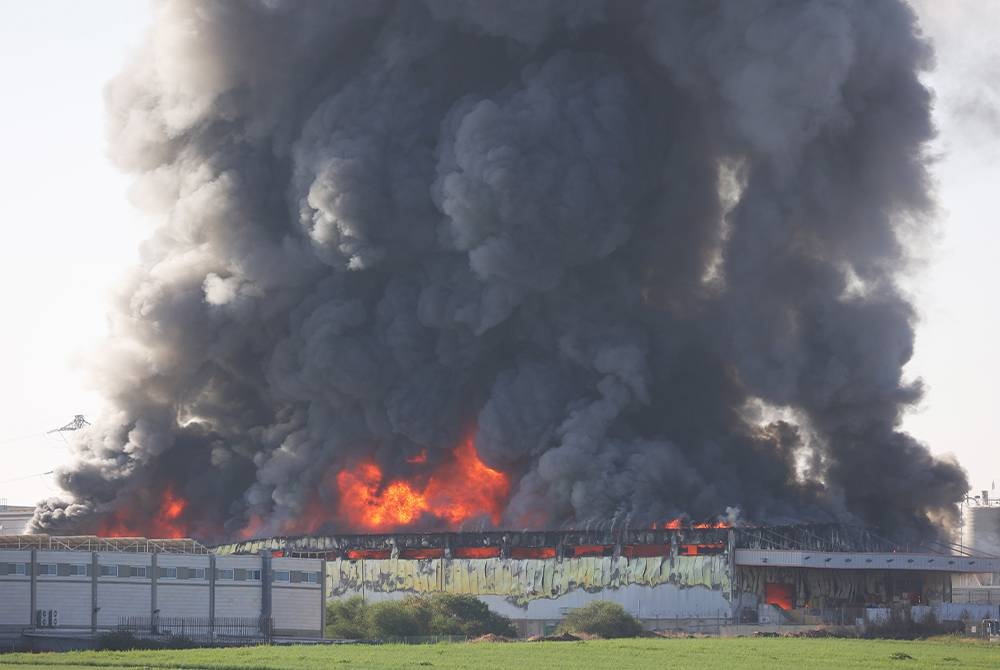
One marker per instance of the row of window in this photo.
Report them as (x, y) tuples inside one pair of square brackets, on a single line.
[(296, 576), (64, 569), (142, 571)]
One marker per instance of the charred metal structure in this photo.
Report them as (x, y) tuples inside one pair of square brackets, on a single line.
[(690, 577)]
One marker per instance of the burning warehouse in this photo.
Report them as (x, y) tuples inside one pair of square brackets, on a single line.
[(704, 578), (423, 268)]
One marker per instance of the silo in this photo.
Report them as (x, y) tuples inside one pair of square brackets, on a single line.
[(982, 529)]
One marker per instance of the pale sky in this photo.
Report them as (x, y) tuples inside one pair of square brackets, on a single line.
[(71, 232)]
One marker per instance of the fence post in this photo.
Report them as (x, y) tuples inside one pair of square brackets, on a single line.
[(211, 597), (154, 611)]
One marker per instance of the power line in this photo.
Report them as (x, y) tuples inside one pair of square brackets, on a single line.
[(79, 422), (19, 479)]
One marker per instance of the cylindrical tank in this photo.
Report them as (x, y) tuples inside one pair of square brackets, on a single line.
[(982, 529)]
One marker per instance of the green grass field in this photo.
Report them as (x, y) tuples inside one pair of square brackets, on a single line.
[(703, 654)]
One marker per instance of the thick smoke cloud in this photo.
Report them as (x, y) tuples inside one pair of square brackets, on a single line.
[(646, 251)]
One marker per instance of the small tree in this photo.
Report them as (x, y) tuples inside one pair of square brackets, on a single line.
[(453, 614), (347, 619), (602, 618)]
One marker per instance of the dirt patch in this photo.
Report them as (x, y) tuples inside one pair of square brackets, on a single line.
[(492, 637)]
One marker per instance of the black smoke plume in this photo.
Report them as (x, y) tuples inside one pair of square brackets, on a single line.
[(648, 252)]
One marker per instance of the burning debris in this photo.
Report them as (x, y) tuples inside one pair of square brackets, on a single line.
[(644, 253)]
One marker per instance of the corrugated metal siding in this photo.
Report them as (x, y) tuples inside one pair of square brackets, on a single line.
[(15, 591), (16, 598), (187, 598), (296, 607), (244, 562), (522, 581), (70, 596), (118, 598), (182, 561), (237, 599), (846, 560)]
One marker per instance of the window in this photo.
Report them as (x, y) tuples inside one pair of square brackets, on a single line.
[(139, 571), (197, 573), (253, 575), (225, 574), (109, 571), (79, 570), (12, 569), (48, 569), (282, 576), (168, 573), (312, 577)]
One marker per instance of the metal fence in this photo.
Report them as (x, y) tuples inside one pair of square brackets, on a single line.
[(217, 631)]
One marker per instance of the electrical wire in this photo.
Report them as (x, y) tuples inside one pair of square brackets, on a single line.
[(20, 479)]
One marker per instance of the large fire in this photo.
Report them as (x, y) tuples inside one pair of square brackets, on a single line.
[(167, 523), (462, 488)]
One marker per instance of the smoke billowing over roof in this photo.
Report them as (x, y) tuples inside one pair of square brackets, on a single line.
[(439, 264)]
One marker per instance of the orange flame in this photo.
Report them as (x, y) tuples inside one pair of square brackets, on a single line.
[(460, 489), (166, 524), (679, 523)]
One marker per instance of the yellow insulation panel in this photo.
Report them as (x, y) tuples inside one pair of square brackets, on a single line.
[(522, 580)]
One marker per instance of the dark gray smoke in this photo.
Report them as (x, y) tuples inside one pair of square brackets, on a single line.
[(647, 251)]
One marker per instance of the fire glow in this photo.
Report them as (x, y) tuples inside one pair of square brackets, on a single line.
[(679, 524), (460, 489), (167, 523)]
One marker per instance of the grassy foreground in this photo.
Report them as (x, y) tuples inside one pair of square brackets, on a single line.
[(704, 654)]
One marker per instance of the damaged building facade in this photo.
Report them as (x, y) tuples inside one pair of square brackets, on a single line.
[(672, 578)]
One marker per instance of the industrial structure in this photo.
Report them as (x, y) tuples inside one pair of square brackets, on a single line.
[(58, 592), (980, 535), (688, 578), (680, 577), (14, 518)]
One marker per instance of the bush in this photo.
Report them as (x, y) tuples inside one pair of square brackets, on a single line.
[(602, 618), (451, 614), (394, 619), (415, 616), (346, 619)]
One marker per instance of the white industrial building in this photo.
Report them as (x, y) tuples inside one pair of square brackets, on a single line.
[(79, 587), (980, 534), (14, 518)]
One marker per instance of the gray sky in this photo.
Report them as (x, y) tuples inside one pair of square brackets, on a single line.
[(72, 232)]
